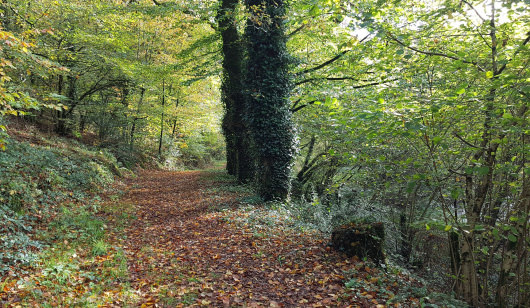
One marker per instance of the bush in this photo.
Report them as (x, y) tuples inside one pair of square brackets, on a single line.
[(333, 210)]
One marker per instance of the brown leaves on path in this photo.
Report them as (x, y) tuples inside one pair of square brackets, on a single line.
[(182, 251)]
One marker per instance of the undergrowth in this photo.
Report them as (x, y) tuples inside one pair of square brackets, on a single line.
[(34, 180), (54, 246)]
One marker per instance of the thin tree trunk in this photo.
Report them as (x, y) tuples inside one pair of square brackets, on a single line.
[(162, 119), (174, 129), (133, 128)]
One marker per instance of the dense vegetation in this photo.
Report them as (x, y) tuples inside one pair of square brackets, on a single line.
[(413, 113)]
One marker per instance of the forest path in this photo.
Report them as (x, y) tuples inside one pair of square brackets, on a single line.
[(183, 251)]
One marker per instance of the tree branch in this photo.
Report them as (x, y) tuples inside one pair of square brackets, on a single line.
[(296, 30), (293, 110), (348, 78), (336, 79), (473, 8), (20, 16), (465, 141), (316, 68)]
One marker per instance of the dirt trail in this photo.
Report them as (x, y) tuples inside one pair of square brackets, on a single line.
[(184, 252)]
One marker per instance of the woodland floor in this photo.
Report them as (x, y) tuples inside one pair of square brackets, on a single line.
[(183, 244), (181, 239)]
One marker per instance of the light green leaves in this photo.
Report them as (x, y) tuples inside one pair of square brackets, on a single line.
[(315, 11)]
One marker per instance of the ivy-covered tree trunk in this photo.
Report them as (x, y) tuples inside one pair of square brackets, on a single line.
[(239, 160), (268, 85)]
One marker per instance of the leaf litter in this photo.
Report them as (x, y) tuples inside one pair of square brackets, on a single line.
[(189, 241), (184, 250)]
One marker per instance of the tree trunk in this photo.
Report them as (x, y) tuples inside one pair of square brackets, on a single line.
[(268, 84), (406, 246), (133, 127), (515, 256), (469, 287), (162, 119), (174, 129), (238, 153)]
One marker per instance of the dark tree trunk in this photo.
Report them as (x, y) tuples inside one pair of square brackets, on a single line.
[(133, 127), (238, 156), (268, 85), (174, 129), (406, 245), (61, 115)]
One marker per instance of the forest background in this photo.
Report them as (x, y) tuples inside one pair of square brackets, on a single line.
[(413, 113)]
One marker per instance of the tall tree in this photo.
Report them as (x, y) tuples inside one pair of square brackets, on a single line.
[(239, 159), (268, 85)]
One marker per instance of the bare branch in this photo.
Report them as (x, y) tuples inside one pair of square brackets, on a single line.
[(465, 141), (475, 10), (347, 78), (303, 106), (330, 79)]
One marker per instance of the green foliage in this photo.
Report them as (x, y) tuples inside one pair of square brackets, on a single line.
[(17, 247), (197, 151), (323, 215), (423, 113), (105, 61), (16, 58), (42, 175), (78, 224), (35, 178)]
